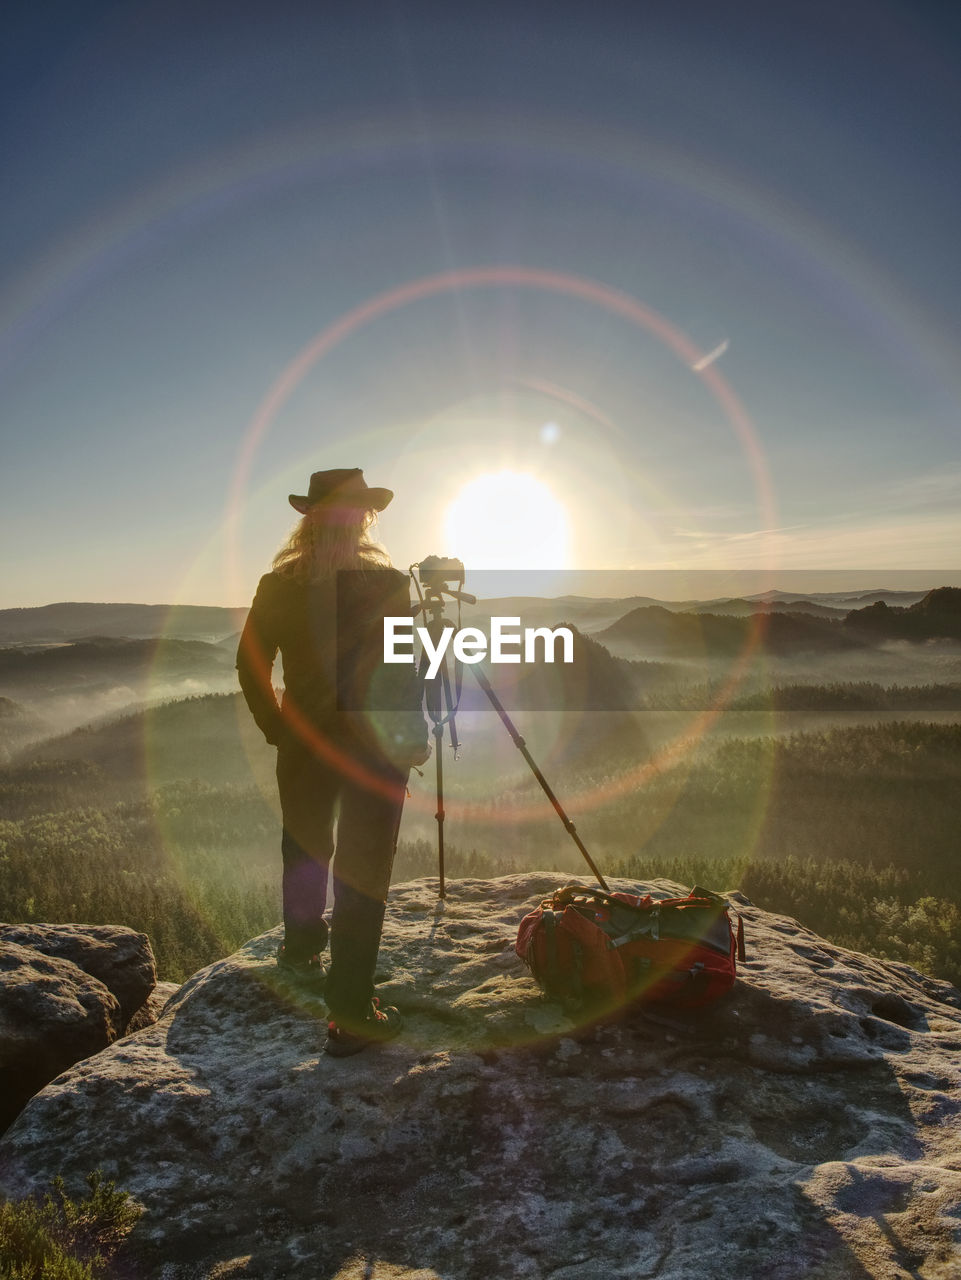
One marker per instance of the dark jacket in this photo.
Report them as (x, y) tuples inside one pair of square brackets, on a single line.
[(330, 637)]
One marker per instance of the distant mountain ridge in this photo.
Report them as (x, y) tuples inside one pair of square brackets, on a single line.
[(744, 606), (725, 627), (74, 620), (839, 598), (663, 633), (79, 620)]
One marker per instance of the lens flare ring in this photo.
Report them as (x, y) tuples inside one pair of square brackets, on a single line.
[(507, 276)]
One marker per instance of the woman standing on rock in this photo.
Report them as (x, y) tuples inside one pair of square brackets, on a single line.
[(347, 731)]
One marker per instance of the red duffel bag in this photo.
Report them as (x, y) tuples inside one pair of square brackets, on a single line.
[(586, 945)]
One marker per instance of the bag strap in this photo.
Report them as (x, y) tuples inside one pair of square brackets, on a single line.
[(568, 895), (562, 897), (648, 929), (550, 941), (574, 890)]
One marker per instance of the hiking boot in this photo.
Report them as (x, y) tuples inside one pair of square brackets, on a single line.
[(379, 1025), (307, 971)]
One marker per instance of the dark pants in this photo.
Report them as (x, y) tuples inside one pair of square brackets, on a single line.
[(369, 818)]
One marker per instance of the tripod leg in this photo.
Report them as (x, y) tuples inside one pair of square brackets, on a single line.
[(520, 744), (440, 815), (449, 704)]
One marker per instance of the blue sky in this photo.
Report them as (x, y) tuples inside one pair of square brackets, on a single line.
[(197, 194)]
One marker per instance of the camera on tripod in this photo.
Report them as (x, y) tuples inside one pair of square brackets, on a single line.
[(439, 572), (441, 576)]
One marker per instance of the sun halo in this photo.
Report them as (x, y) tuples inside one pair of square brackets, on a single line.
[(508, 520)]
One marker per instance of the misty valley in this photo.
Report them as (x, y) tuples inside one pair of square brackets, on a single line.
[(806, 750)]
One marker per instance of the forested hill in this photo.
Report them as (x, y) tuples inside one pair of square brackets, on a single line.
[(18, 726), (210, 739), (936, 616), (687, 634), (100, 660), (779, 630)]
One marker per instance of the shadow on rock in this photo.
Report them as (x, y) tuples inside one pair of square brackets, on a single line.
[(797, 1128)]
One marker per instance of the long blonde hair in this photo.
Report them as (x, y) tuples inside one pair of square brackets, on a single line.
[(326, 540)]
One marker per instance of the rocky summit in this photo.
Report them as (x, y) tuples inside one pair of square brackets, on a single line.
[(806, 1125), (66, 992)]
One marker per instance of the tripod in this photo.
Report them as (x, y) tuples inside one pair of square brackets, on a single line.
[(441, 704)]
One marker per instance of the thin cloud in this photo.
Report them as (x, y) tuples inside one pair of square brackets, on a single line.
[(928, 487), (708, 536), (751, 534), (926, 542)]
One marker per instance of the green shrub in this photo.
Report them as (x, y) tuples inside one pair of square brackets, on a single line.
[(56, 1238)]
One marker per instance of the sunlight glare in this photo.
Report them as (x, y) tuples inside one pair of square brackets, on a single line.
[(507, 520)]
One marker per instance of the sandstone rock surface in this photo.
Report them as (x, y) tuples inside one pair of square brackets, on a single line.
[(51, 1015), (66, 992), (153, 1007), (805, 1126), (120, 958)]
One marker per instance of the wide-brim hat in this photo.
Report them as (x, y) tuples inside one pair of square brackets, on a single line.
[(343, 487)]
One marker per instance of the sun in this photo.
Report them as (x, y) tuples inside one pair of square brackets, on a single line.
[(507, 520)]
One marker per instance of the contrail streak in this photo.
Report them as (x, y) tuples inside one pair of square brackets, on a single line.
[(711, 356)]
